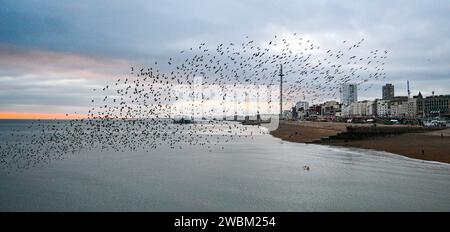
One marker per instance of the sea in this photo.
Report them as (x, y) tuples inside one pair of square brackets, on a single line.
[(253, 173)]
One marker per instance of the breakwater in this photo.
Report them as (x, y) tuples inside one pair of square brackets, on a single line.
[(356, 133)]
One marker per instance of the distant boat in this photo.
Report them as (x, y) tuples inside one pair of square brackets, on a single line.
[(255, 122), (183, 121)]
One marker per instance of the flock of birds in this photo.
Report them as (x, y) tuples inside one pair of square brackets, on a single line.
[(136, 111)]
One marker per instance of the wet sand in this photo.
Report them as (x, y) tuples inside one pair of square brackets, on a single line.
[(303, 132), (426, 146)]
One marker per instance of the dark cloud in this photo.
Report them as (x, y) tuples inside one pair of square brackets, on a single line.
[(417, 34)]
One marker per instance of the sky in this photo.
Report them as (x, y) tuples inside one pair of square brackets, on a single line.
[(53, 53)]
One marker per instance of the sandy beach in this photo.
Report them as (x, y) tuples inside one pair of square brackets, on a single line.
[(432, 146)]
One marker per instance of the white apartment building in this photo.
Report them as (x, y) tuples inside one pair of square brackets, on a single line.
[(412, 107), (362, 108), (302, 105), (383, 109), (399, 106)]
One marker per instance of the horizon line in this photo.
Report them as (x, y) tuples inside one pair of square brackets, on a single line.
[(32, 115)]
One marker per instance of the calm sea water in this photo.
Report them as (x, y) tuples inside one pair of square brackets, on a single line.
[(259, 174)]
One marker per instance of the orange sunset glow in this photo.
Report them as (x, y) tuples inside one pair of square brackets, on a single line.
[(30, 115)]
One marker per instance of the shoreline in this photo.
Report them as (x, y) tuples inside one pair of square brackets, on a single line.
[(430, 146)]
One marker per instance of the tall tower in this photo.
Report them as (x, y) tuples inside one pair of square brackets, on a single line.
[(409, 92), (281, 90), (235, 105), (388, 92), (349, 93)]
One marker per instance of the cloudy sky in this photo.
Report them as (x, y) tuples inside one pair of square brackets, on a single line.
[(53, 53)]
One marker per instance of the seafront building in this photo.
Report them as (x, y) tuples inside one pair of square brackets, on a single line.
[(301, 108), (330, 108), (437, 106), (349, 94), (383, 108), (419, 105), (302, 105), (361, 108), (412, 107), (388, 91), (390, 106), (314, 111), (399, 106)]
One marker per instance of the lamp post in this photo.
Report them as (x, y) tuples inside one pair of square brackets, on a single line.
[(281, 90)]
